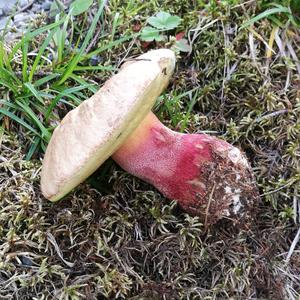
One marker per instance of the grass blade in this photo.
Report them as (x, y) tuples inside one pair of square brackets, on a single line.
[(45, 79), (95, 68), (66, 92), (115, 24), (34, 92), (2, 53), (189, 110), (8, 85), (265, 14), (92, 87), (9, 76), (33, 148), (109, 46), (89, 35), (45, 133), (24, 59), (31, 35), (18, 120), (41, 51)]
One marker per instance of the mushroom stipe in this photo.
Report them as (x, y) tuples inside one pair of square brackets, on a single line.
[(207, 176)]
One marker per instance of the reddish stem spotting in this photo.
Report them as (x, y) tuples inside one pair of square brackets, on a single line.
[(207, 176)]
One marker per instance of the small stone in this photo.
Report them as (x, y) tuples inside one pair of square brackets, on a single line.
[(21, 17), (3, 22), (23, 3), (21, 25), (36, 8), (8, 6), (46, 5), (95, 60), (26, 261), (10, 36)]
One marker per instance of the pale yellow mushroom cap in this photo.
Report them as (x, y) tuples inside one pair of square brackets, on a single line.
[(93, 131)]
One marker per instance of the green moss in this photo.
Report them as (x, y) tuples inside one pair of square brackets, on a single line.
[(117, 237)]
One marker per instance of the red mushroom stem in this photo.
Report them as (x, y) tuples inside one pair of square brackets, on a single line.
[(207, 176)]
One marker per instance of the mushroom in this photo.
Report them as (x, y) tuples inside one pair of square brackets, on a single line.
[(207, 176)]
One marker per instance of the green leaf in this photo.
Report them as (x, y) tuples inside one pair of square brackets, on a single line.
[(150, 34), (183, 46), (164, 20), (80, 6)]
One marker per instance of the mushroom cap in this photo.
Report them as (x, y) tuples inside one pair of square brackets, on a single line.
[(93, 131)]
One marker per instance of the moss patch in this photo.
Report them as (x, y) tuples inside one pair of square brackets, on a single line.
[(117, 237)]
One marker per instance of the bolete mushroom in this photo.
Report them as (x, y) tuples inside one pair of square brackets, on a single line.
[(207, 176)]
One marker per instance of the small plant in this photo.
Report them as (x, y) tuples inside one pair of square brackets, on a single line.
[(160, 23), (287, 213)]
